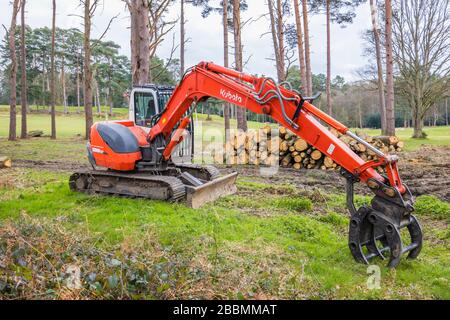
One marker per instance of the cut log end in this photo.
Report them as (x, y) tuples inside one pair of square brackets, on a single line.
[(5, 162)]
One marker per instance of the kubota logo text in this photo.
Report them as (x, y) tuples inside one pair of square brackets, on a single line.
[(230, 96)]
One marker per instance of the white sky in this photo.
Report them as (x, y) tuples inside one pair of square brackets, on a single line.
[(206, 34)]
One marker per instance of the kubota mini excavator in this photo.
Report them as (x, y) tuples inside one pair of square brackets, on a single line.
[(131, 160)]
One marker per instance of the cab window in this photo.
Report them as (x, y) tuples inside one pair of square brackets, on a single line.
[(163, 99), (144, 108)]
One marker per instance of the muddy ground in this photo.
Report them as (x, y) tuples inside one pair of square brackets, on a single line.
[(426, 171)]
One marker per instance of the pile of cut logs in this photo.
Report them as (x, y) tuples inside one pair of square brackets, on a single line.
[(297, 153), (254, 147), (259, 147)]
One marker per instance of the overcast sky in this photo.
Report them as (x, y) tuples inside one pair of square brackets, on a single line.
[(206, 34)]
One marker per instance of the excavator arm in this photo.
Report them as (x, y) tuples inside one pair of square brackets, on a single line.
[(375, 229)]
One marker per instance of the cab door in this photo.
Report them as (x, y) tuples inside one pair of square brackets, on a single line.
[(143, 106), (185, 150), (146, 103)]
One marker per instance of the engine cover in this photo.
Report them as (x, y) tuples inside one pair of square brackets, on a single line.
[(117, 145)]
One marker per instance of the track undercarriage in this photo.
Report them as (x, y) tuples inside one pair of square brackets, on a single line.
[(192, 184)]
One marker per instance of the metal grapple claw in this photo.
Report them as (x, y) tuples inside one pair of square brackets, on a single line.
[(375, 231)]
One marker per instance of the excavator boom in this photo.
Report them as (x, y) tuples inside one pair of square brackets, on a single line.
[(373, 230)]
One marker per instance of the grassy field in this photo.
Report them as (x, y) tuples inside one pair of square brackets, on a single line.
[(271, 240), (437, 136), (259, 244), (72, 125), (70, 129)]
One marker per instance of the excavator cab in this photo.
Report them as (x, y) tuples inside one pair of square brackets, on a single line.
[(146, 102)]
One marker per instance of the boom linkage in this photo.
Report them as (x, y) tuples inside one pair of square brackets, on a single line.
[(370, 227)]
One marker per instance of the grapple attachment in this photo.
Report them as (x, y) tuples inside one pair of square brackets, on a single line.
[(375, 230)]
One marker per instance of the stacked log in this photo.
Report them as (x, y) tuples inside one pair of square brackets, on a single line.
[(260, 147), (297, 153), (254, 147)]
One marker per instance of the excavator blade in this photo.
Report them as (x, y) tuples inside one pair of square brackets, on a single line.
[(197, 196), (191, 184)]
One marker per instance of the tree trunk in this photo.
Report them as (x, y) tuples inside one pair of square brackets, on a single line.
[(109, 97), (276, 22), (446, 112), (307, 48), (241, 113), (435, 115), (390, 115), (78, 84), (376, 35), (87, 68), (140, 41), (182, 35), (23, 92), (280, 35), (13, 75), (273, 28), (226, 107), (328, 85), (97, 94), (418, 127), (43, 80), (63, 85), (301, 50), (110, 103), (52, 67)]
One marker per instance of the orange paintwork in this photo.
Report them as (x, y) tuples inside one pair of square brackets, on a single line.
[(209, 80), (140, 134), (176, 138), (105, 157)]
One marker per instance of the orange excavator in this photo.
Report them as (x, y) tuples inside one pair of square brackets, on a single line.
[(135, 160)]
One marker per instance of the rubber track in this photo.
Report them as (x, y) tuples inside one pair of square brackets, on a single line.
[(212, 171), (174, 185)]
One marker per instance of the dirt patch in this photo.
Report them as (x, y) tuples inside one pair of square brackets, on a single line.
[(425, 172), (56, 166)]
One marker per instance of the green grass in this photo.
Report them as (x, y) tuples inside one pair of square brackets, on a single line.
[(269, 241), (67, 126), (437, 136), (72, 126), (430, 205), (298, 253), (71, 130)]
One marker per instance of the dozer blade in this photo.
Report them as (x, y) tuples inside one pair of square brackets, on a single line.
[(195, 186), (210, 191)]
